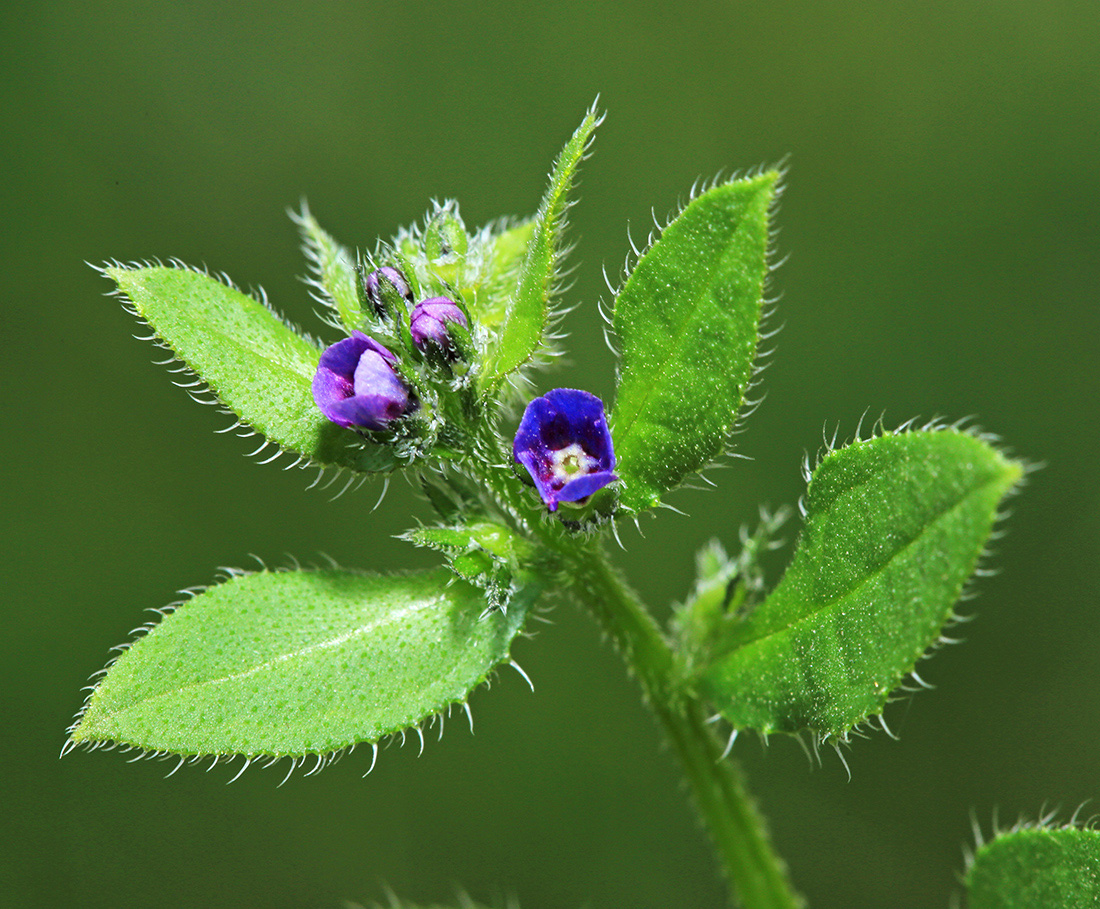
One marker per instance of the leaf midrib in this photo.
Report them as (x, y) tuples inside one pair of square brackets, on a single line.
[(866, 579), (341, 638)]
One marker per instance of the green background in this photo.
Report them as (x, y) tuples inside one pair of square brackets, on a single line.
[(942, 223)]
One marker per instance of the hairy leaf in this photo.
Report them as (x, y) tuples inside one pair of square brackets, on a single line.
[(529, 308), (300, 662), (687, 321), (258, 366), (895, 526), (501, 255), (725, 591), (1036, 867), (495, 539), (334, 271)]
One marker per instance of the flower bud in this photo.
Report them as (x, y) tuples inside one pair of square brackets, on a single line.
[(445, 236), (356, 386), (386, 291), (428, 323), (565, 445)]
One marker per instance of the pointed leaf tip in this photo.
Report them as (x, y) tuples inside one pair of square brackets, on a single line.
[(528, 312), (333, 270), (258, 366)]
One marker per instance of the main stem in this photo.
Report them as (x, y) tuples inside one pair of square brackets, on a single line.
[(756, 873)]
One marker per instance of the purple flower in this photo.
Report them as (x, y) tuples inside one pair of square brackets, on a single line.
[(355, 385), (384, 287), (429, 319), (564, 443)]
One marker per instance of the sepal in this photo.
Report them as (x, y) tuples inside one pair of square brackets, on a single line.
[(486, 554)]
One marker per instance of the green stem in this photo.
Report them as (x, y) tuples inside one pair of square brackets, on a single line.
[(757, 875)]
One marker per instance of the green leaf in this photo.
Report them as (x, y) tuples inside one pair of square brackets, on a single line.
[(500, 252), (1036, 867), (300, 662), (529, 308), (495, 539), (687, 321), (894, 527), (257, 365), (333, 270)]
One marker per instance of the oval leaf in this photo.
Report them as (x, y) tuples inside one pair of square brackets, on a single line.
[(300, 662), (257, 365), (687, 321), (529, 308), (1051, 869), (895, 525)]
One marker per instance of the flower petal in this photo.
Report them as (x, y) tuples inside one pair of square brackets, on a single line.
[(367, 411), (583, 487), (356, 386)]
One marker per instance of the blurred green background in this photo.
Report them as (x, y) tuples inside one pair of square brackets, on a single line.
[(942, 223)]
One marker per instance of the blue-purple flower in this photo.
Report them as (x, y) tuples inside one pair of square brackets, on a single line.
[(428, 323), (355, 384), (564, 443)]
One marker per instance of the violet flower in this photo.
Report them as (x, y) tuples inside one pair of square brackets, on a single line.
[(428, 323), (564, 443), (355, 384)]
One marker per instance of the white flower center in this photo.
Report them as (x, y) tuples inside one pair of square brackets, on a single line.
[(572, 461)]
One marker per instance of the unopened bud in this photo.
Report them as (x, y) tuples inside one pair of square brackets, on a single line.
[(445, 236), (428, 323), (386, 291)]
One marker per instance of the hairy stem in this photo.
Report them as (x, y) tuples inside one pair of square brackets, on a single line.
[(757, 875)]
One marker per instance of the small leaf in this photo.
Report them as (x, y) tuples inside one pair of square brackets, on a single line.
[(257, 365), (495, 539), (300, 662), (487, 554), (529, 308), (1036, 867), (895, 525), (501, 253), (726, 591), (687, 321), (334, 271)]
